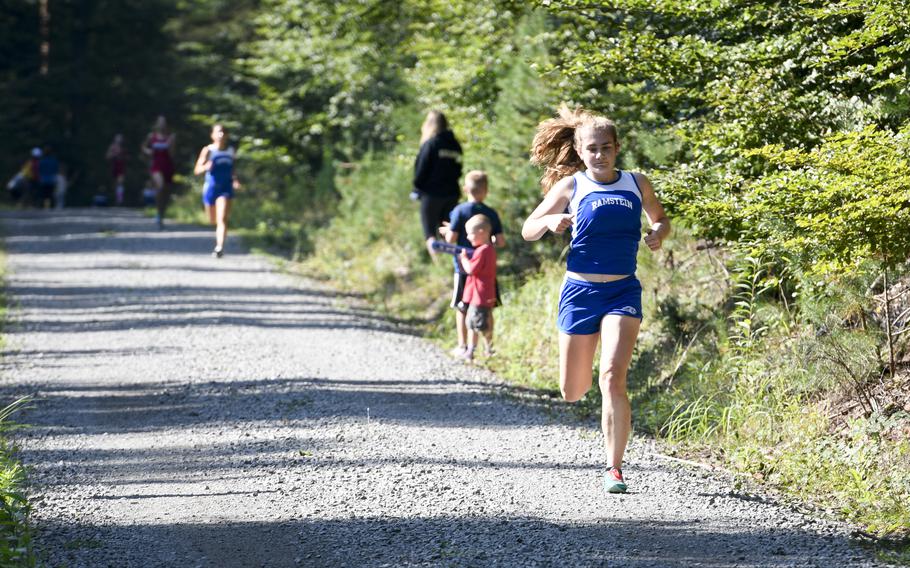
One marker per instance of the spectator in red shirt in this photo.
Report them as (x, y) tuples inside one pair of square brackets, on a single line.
[(476, 188), (480, 287)]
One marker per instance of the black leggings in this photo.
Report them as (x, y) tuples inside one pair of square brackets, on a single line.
[(46, 193), (433, 211)]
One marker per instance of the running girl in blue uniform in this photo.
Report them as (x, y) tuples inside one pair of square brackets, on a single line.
[(601, 298), (216, 161)]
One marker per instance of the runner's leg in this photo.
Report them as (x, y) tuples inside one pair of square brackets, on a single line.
[(222, 211), (160, 197), (576, 363), (618, 335)]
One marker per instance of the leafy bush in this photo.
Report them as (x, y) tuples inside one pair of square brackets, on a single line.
[(15, 534)]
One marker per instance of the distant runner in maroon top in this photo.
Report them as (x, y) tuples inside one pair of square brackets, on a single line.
[(159, 145), (161, 156)]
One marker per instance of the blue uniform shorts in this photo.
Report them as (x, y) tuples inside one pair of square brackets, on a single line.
[(211, 193), (582, 305)]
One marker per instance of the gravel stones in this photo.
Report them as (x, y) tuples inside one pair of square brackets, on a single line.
[(193, 411)]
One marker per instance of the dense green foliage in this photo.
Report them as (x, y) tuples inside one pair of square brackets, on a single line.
[(776, 134), (792, 116), (111, 68)]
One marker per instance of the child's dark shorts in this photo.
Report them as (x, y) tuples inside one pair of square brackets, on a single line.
[(478, 318), (458, 292), (582, 305)]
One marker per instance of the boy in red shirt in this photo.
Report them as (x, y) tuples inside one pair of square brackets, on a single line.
[(480, 287)]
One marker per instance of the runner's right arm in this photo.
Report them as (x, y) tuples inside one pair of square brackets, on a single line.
[(202, 162), (550, 214)]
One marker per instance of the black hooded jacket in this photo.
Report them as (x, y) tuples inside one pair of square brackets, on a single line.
[(438, 166)]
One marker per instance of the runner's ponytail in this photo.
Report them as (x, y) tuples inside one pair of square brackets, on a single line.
[(554, 143)]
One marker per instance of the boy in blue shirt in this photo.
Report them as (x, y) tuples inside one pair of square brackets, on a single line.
[(475, 186)]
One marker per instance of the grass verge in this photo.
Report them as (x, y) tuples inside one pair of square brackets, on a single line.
[(15, 534)]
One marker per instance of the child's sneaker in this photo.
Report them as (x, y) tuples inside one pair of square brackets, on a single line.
[(217, 252), (457, 351), (468, 353), (613, 481)]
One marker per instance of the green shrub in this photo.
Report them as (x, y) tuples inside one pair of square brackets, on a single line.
[(15, 534)]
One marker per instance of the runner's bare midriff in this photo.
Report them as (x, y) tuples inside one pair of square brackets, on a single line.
[(595, 277)]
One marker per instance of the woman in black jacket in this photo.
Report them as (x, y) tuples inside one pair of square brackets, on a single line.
[(436, 174)]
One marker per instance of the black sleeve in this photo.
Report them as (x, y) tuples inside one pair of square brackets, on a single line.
[(423, 165), (458, 162), (496, 223)]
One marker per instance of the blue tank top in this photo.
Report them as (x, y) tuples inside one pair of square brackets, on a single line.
[(607, 225), (222, 173)]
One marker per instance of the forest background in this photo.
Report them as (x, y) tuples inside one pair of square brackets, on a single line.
[(777, 135)]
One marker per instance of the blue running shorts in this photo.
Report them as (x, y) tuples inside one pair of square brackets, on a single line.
[(211, 193), (582, 305)]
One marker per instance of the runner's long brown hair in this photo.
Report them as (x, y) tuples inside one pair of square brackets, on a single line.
[(556, 140)]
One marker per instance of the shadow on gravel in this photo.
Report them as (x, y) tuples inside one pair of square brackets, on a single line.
[(208, 321), (118, 308), (478, 541), (219, 462), (153, 406), (138, 265), (121, 307), (69, 353), (94, 296)]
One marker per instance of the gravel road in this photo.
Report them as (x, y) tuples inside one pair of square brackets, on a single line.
[(193, 411)]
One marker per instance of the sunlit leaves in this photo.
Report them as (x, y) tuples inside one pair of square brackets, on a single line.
[(844, 202), (788, 112)]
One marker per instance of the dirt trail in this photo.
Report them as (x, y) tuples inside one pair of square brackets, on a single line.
[(201, 412)]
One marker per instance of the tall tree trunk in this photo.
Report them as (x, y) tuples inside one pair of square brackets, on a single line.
[(44, 12)]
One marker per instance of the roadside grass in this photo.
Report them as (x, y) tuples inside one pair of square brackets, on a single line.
[(15, 533), (525, 329), (764, 417), (374, 245), (783, 402)]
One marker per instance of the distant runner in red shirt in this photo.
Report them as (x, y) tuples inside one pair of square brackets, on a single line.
[(480, 287), (159, 145)]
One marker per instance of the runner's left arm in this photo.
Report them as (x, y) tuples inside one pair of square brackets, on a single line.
[(657, 218)]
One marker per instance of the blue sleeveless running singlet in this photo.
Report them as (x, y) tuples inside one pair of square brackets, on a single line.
[(607, 225), (221, 176)]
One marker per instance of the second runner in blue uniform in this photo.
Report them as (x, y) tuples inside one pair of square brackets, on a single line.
[(216, 161)]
